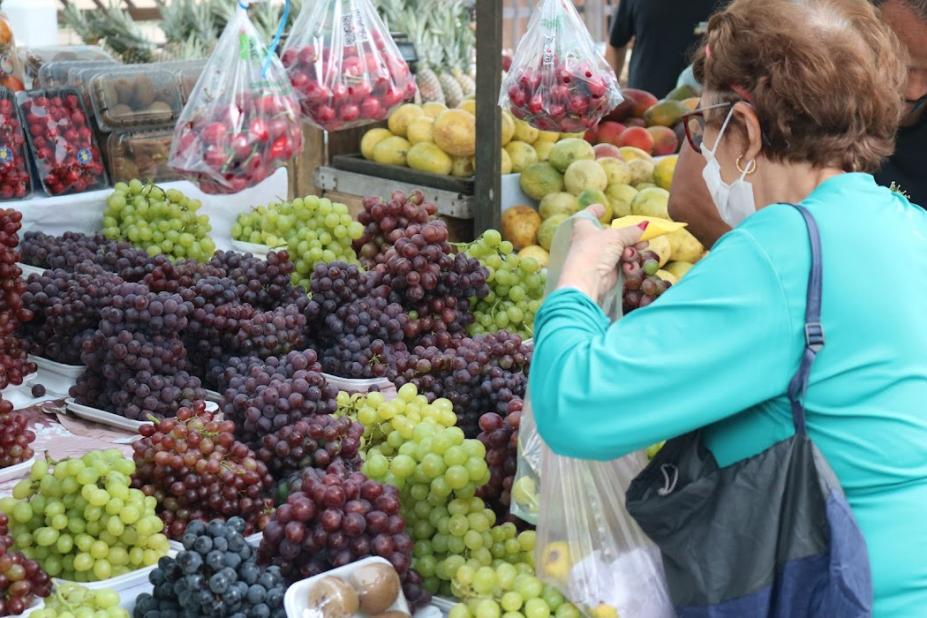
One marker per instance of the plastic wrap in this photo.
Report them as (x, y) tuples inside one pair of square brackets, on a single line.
[(140, 154), (15, 181), (588, 545), (241, 122), (133, 97), (64, 149), (58, 73), (558, 81), (34, 58), (344, 65)]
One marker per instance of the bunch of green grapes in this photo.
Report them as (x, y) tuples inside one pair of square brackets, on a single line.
[(159, 221), (416, 447), (506, 591), (516, 287), (80, 520), (313, 230), (70, 599)]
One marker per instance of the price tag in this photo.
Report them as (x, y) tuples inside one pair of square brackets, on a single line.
[(549, 49), (353, 26)]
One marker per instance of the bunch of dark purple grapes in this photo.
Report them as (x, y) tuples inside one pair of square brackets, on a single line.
[(14, 363), (66, 309), (499, 434), (428, 277), (339, 517), (136, 361), (313, 442), (478, 374), (265, 284), (262, 397), (72, 248), (642, 286), (384, 222), (174, 277)]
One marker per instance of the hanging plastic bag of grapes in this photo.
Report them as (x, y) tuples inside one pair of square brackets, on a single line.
[(588, 545), (344, 65), (241, 121), (558, 80)]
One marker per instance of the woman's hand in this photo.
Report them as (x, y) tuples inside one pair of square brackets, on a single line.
[(592, 263)]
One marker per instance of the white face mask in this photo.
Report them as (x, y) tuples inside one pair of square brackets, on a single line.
[(735, 202)]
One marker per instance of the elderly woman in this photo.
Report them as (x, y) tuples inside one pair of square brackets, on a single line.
[(801, 102)]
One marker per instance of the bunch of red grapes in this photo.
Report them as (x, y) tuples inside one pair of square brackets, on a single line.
[(337, 518), (233, 145), (343, 87), (313, 442), (557, 95), (21, 580), (500, 437), (15, 181), (384, 221), (64, 148), (197, 470), (642, 286), (15, 436), (14, 362)]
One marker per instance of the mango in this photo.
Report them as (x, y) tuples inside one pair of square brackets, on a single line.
[(620, 198), (558, 204), (582, 175), (594, 196), (635, 103), (508, 127), (455, 132), (539, 179), (569, 150), (630, 153), (522, 154), (667, 276), (427, 157), (664, 170), (616, 170), (371, 139), (682, 92), (548, 229), (543, 149), (651, 203), (666, 113), (656, 226), (679, 269), (537, 253), (392, 151), (505, 163), (525, 132), (420, 130), (399, 120), (463, 167), (641, 171), (685, 246), (520, 225), (551, 137), (433, 108)]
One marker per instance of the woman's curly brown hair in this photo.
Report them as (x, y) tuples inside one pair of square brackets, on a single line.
[(824, 76)]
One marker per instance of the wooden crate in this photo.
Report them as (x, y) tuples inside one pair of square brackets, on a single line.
[(319, 148)]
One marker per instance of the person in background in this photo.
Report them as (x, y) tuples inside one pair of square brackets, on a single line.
[(801, 100), (664, 33), (905, 170)]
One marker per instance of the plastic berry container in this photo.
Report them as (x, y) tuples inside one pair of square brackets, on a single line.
[(133, 98), (34, 58), (187, 73), (65, 152), (15, 180), (57, 74), (140, 154)]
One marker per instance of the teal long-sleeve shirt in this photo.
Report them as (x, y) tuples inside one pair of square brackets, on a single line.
[(718, 350)]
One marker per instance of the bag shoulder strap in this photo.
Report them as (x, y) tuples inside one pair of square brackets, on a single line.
[(814, 331)]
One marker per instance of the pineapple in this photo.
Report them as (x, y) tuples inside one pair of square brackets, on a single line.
[(453, 94), (467, 83), (425, 78)]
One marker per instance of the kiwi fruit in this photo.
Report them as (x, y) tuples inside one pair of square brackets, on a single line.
[(393, 613), (331, 597), (119, 113), (145, 91), (377, 587), (159, 111)]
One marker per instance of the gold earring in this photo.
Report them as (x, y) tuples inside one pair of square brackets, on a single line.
[(751, 166)]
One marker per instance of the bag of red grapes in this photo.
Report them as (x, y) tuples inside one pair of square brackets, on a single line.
[(344, 65), (558, 81), (241, 121)]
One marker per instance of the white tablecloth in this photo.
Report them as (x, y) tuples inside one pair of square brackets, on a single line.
[(83, 212)]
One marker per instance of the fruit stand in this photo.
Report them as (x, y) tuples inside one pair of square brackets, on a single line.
[(225, 393)]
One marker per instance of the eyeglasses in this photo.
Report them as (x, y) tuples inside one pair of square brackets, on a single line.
[(694, 124)]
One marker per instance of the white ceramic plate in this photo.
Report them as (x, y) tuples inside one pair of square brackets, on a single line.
[(297, 595), (113, 420)]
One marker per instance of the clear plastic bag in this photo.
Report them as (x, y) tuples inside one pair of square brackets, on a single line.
[(344, 65), (558, 81), (588, 545), (241, 121)]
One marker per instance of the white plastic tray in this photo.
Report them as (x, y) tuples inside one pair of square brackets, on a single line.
[(443, 604), (20, 395), (213, 396), (295, 600), (57, 378), (255, 249), (28, 270), (17, 471), (113, 420), (352, 385)]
